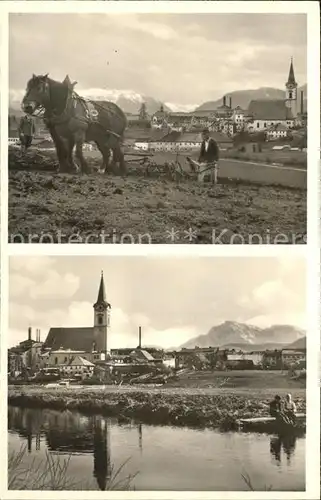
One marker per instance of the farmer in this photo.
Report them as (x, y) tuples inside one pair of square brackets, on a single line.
[(276, 406), (209, 149), (26, 132), (208, 158), (209, 155)]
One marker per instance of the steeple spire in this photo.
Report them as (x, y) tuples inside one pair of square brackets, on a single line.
[(291, 79), (102, 292)]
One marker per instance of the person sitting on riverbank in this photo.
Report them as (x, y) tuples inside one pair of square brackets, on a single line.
[(276, 407), (289, 409)]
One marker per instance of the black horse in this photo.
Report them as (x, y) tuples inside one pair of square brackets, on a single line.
[(72, 120)]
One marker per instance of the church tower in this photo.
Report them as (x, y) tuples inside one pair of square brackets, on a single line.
[(291, 92), (101, 318)]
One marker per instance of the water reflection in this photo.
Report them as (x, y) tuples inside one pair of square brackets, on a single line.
[(184, 457), (140, 437), (67, 432), (284, 443)]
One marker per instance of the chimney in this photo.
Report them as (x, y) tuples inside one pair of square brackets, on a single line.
[(231, 102), (29, 333), (140, 337), (302, 109), (224, 100)]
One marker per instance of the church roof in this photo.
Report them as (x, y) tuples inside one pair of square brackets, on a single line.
[(291, 79), (102, 291), (101, 299), (77, 339), (269, 109)]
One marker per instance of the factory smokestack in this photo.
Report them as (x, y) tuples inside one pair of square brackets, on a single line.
[(224, 101), (231, 102), (301, 110), (140, 337), (29, 333)]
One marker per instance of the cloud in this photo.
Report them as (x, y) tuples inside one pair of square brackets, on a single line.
[(34, 277), (173, 299), (181, 107), (174, 58), (32, 265)]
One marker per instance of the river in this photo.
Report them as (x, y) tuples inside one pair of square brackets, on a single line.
[(154, 457)]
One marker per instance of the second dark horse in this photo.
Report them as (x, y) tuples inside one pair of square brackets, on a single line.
[(72, 121)]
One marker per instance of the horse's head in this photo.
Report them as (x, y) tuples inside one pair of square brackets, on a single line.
[(37, 93)]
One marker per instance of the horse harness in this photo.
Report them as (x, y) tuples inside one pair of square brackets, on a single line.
[(91, 114)]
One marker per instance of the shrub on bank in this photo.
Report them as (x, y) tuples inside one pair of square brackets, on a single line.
[(198, 409)]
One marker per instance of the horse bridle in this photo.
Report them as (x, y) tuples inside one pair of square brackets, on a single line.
[(46, 91)]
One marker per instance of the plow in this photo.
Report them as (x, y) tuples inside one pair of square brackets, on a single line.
[(173, 170)]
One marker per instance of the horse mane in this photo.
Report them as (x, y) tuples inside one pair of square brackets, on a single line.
[(58, 90)]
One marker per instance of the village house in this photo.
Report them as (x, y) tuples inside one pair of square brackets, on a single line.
[(77, 366), (26, 356), (64, 356), (292, 357), (210, 357), (186, 141), (141, 139), (201, 119), (255, 357), (238, 115), (278, 131), (272, 360)]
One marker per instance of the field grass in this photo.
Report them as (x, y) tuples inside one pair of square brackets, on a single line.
[(287, 158), (46, 207), (217, 407), (53, 474), (238, 379)]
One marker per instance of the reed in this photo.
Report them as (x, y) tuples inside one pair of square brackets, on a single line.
[(53, 473)]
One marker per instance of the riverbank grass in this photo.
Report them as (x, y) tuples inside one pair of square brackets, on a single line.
[(216, 408)]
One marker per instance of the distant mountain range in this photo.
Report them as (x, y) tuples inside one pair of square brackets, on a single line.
[(232, 334), (243, 98), (130, 101)]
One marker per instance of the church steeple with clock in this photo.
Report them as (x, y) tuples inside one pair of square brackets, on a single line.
[(101, 318)]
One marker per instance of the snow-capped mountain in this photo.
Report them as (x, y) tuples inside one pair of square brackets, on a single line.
[(235, 334), (128, 100)]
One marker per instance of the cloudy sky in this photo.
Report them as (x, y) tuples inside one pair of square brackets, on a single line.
[(177, 58), (173, 299)]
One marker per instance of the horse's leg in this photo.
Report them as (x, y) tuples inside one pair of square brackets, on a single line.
[(119, 158), (62, 153), (79, 138), (62, 149), (71, 144), (105, 152)]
